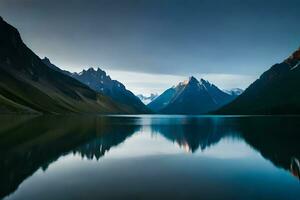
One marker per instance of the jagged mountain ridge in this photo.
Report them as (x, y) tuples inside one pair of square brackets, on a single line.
[(275, 92), (29, 86), (191, 97), (99, 81)]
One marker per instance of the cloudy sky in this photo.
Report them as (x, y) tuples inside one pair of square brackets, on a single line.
[(150, 45)]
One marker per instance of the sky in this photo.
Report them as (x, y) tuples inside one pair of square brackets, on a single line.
[(150, 45)]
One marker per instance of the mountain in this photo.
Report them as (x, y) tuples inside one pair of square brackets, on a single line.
[(54, 67), (275, 92), (147, 99), (99, 81), (195, 133), (29, 86), (162, 100), (191, 97), (234, 91)]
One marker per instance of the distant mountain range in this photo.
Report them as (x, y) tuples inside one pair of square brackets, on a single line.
[(147, 99), (234, 91), (29, 86), (191, 97), (99, 81), (275, 92)]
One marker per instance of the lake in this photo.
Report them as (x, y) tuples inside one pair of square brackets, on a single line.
[(149, 157)]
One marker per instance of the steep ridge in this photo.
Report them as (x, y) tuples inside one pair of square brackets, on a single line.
[(275, 92), (99, 81), (191, 97), (29, 86)]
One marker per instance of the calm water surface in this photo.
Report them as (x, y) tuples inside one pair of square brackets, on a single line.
[(149, 157)]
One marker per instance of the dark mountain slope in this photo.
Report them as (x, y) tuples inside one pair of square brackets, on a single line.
[(28, 85), (275, 92), (99, 81)]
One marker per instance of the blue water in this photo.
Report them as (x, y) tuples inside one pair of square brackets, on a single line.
[(149, 157)]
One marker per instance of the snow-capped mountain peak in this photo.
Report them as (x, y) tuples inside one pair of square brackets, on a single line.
[(190, 97), (234, 91), (147, 99)]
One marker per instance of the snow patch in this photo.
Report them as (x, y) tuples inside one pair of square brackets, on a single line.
[(295, 66)]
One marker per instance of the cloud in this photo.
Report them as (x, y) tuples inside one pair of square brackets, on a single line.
[(146, 83), (228, 81)]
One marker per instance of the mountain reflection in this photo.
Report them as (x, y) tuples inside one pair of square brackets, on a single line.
[(30, 143), (27, 144), (96, 148), (276, 138), (295, 167), (194, 133)]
